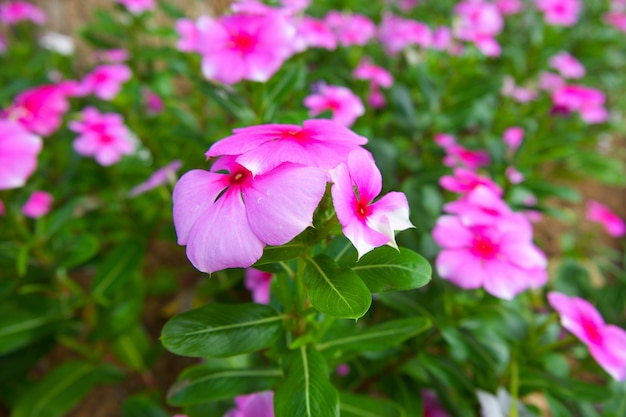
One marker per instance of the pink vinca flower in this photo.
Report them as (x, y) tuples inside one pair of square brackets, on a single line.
[(567, 65), (616, 19), (589, 102), (40, 109), (397, 33), (258, 404), (114, 56), (153, 102), (519, 94), (432, 406), (342, 369), (513, 138), (314, 33), (345, 106), (159, 177), (106, 81), (226, 219), (560, 12), (350, 29), (606, 342), (486, 245), (513, 175), (479, 22), (464, 180), (366, 70), (244, 47), (103, 136), (318, 143), (189, 34), (37, 205), (457, 155), (13, 12), (612, 223), (550, 82), (367, 224), (508, 7), (258, 282), (18, 154), (138, 6), (442, 38)]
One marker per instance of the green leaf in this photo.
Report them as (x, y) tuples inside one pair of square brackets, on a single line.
[(143, 406), (361, 406), (387, 269), (307, 391), (222, 330), (200, 384), (82, 248), (285, 252), (123, 261), (133, 348), (21, 325), (379, 337), (62, 388)]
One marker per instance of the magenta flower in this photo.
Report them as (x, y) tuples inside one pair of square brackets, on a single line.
[(295, 6), (342, 369), (513, 175), (550, 82), (486, 245), (153, 102), (567, 65), (367, 224), (258, 282), (397, 33), (442, 38), (457, 155), (508, 7), (612, 223), (513, 138), (2, 209), (226, 219), (37, 205), (40, 109), (244, 47), (432, 406), (318, 143), (445, 140), (314, 33), (18, 154), (479, 22), (560, 12), (350, 29), (463, 181), (13, 12), (606, 342), (106, 81), (345, 106), (258, 404), (138, 6), (159, 177), (366, 70), (616, 19), (189, 35), (589, 102), (103, 136)]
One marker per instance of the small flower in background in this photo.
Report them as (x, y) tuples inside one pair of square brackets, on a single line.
[(18, 154), (2, 209), (154, 104), (13, 12), (258, 282), (606, 342), (103, 136), (612, 223), (295, 6), (37, 205), (159, 177), (226, 219), (442, 38), (138, 6), (507, 7), (342, 369), (378, 77), (106, 81), (567, 65), (444, 140), (314, 33), (350, 29), (560, 12), (57, 42), (432, 406), (457, 155), (397, 33), (513, 138), (113, 56), (345, 106), (367, 224), (519, 94), (258, 404), (479, 22), (463, 181), (3, 44), (589, 102), (189, 34), (550, 82), (616, 19), (513, 175), (40, 109)]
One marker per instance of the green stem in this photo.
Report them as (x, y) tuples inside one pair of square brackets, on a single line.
[(514, 386), (558, 345)]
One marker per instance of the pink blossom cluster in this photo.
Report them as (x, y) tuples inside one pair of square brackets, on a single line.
[(617, 16), (377, 76), (567, 65), (13, 12), (479, 22), (350, 29), (40, 109), (19, 149), (606, 342), (458, 155), (105, 81), (516, 92), (487, 245), (265, 185), (612, 223), (258, 404), (560, 12), (587, 101), (344, 105), (397, 33), (38, 204)]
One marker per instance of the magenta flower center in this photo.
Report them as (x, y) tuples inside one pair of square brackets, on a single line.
[(239, 176), (298, 135), (591, 330), (105, 139), (484, 248), (361, 209), (243, 42)]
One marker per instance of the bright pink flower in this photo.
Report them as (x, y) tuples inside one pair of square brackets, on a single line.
[(345, 106), (397, 33), (244, 47), (13, 12), (432, 406), (513, 138), (318, 143), (616, 19), (507, 7), (159, 177), (114, 56), (486, 245), (457, 155), (40, 109), (606, 342), (106, 81), (350, 29), (560, 12), (37, 205), (513, 175), (342, 369), (368, 71), (550, 82), (367, 224), (314, 33), (442, 38), (138, 6), (154, 103), (479, 22), (375, 97), (18, 154), (259, 404), (226, 219), (463, 181), (612, 223), (567, 65), (258, 282), (589, 102), (189, 35), (103, 136), (444, 140)]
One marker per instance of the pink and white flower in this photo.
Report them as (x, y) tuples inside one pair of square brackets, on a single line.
[(258, 404), (189, 34), (18, 154), (612, 223), (513, 138), (105, 82), (519, 94), (397, 33), (550, 82), (259, 283), (138, 6), (13, 12), (560, 12), (457, 155), (589, 102), (378, 77), (479, 22), (350, 29), (464, 180), (513, 175), (606, 342), (442, 38), (226, 219), (365, 222), (40, 109), (103, 136), (38, 204), (616, 19), (314, 33), (508, 7), (345, 106), (567, 65), (159, 177)]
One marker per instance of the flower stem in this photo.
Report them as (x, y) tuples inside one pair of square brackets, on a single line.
[(514, 386)]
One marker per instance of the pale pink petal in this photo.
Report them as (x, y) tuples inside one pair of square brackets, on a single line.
[(460, 267), (450, 233), (226, 67), (364, 174), (504, 280), (38, 204), (395, 207)]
